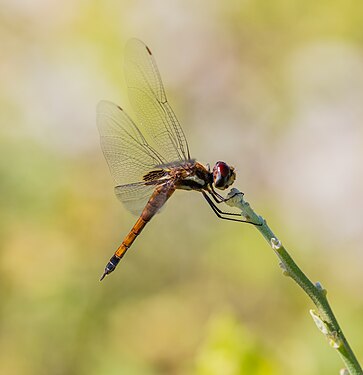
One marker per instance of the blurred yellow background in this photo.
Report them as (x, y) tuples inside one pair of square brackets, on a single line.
[(273, 88)]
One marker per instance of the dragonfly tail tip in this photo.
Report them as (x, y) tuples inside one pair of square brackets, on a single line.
[(103, 276)]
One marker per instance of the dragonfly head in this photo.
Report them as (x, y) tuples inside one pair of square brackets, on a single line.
[(223, 175)]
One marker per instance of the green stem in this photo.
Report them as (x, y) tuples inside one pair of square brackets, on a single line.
[(324, 318)]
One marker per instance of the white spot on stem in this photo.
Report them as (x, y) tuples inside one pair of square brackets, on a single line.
[(275, 243)]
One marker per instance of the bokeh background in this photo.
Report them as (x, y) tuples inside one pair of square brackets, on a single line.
[(273, 88)]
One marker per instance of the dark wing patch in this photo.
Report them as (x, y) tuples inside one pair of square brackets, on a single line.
[(154, 176)]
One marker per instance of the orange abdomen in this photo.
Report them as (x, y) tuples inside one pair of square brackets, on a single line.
[(160, 195)]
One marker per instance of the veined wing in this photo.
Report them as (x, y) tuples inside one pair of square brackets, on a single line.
[(128, 154), (134, 196), (147, 96)]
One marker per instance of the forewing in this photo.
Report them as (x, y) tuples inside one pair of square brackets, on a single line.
[(147, 96), (127, 153)]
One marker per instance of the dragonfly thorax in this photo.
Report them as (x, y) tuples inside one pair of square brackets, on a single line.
[(223, 175)]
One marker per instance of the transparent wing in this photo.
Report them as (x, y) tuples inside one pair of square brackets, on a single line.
[(147, 96), (128, 155), (134, 196)]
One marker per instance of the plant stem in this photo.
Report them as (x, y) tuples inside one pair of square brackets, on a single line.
[(324, 318)]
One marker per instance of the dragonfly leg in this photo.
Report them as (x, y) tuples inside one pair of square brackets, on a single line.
[(216, 196), (219, 198), (233, 195), (222, 215)]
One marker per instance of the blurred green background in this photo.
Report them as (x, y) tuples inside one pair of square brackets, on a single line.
[(273, 88)]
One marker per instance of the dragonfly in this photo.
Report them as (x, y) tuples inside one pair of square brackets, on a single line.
[(149, 166)]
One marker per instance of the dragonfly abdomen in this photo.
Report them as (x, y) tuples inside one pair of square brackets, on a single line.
[(131, 237), (126, 243), (160, 195)]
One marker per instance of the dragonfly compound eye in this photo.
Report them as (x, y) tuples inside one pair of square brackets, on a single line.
[(223, 175)]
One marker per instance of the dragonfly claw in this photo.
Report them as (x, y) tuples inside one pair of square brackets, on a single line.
[(104, 274), (111, 265)]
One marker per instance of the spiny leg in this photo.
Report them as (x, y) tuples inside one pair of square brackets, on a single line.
[(218, 197), (220, 213)]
